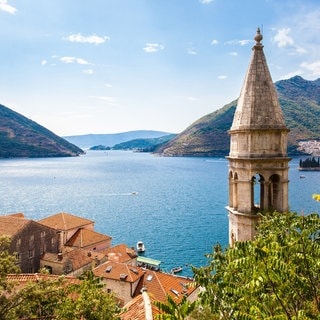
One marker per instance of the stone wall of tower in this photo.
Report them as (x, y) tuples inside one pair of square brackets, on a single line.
[(258, 162), (258, 143)]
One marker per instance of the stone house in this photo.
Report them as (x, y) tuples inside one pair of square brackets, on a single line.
[(29, 240), (127, 282), (120, 278), (74, 262), (66, 225)]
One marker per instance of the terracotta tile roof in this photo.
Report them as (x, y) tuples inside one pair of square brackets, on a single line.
[(65, 221), (120, 253), (24, 278), (17, 215), (159, 285), (10, 225), (84, 238), (140, 308), (118, 271)]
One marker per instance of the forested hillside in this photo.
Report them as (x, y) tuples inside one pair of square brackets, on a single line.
[(300, 102)]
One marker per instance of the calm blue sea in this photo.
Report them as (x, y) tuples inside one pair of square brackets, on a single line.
[(175, 205)]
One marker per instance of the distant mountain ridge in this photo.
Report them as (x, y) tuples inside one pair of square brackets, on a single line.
[(22, 137), (208, 136), (109, 140)]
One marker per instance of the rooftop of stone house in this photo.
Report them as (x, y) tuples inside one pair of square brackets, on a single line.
[(11, 224), (65, 221), (118, 271), (120, 253), (160, 284), (140, 308), (84, 238)]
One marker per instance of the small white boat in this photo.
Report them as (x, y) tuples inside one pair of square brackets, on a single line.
[(176, 270), (140, 247)]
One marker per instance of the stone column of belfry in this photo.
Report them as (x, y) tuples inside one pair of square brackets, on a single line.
[(258, 161)]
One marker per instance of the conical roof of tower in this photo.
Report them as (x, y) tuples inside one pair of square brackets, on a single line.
[(258, 105)]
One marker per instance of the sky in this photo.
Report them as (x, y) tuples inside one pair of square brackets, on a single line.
[(108, 66)]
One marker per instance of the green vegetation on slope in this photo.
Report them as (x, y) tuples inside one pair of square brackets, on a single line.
[(22, 137), (300, 102)]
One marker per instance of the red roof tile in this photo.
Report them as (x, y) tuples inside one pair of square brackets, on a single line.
[(159, 285), (65, 221), (84, 238), (120, 253), (118, 271), (10, 225), (140, 308)]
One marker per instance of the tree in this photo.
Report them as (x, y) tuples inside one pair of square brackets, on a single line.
[(88, 300), (277, 275), (174, 311)]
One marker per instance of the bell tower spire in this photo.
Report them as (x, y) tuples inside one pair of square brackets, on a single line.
[(258, 161)]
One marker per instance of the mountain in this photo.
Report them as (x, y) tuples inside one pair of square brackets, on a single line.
[(144, 145), (109, 140), (300, 102), (22, 137)]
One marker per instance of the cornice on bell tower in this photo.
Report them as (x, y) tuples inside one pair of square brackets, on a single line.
[(258, 150)]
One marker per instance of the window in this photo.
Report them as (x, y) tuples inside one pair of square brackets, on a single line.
[(18, 242), (31, 241), (43, 234), (31, 253), (18, 256)]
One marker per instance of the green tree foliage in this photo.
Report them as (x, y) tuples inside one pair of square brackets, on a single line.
[(275, 276), (174, 311), (87, 300)]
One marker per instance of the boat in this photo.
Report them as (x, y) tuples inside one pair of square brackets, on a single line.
[(140, 247), (176, 270), (302, 176)]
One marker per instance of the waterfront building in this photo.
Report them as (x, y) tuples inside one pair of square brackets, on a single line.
[(258, 161)]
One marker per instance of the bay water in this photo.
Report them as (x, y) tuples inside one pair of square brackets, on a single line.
[(175, 205)]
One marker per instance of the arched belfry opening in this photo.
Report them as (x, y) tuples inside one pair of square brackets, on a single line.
[(258, 192), (258, 161)]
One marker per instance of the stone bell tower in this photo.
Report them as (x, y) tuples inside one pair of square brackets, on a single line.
[(258, 161)]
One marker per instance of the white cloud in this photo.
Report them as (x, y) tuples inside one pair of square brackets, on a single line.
[(244, 42), (292, 74), (236, 42), (190, 98), (87, 71), (214, 42), (108, 85), (73, 60), (152, 47), (192, 51), (282, 38), (93, 39), (205, 1), (108, 99), (223, 77), (44, 62), (313, 68), (233, 53), (4, 6)]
